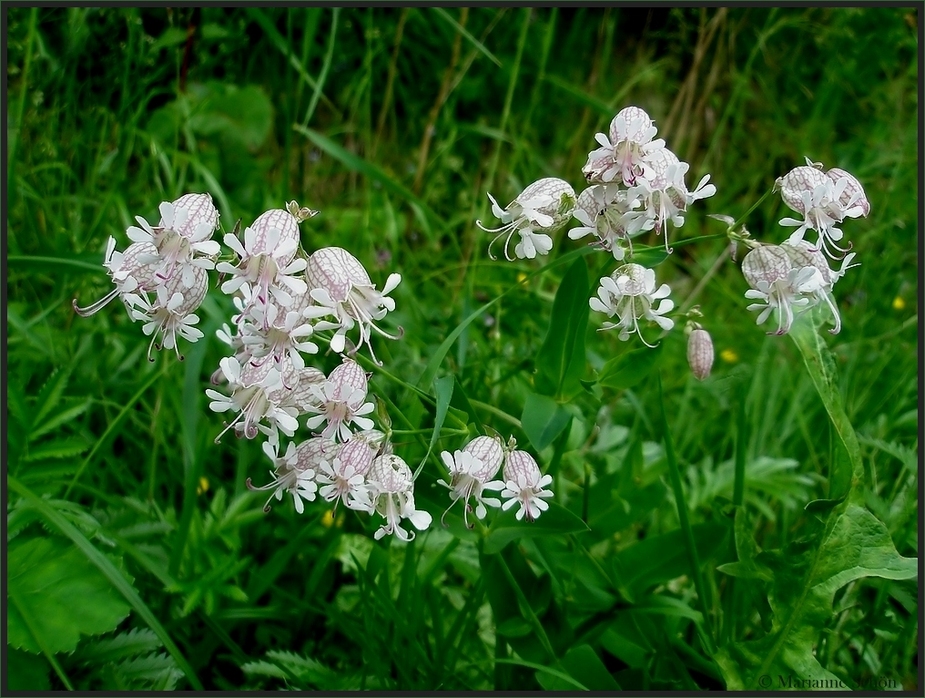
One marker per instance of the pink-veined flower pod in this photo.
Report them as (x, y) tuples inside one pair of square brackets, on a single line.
[(392, 491), (341, 287), (525, 485)]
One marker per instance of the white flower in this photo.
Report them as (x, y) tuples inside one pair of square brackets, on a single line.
[(629, 293), (272, 332), (542, 208), (171, 314), (780, 285), (803, 255), (610, 214), (342, 288), (524, 484), (824, 200), (129, 272), (471, 472), (341, 481), (267, 259), (295, 471), (621, 159), (256, 396), (183, 237), (392, 490), (341, 401)]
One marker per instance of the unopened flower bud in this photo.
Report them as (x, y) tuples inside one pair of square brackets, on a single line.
[(700, 353)]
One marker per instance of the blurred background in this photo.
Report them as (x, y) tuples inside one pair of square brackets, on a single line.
[(394, 123)]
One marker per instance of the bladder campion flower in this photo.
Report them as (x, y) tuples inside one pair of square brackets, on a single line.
[(629, 294), (540, 209), (524, 484), (471, 473), (392, 490)]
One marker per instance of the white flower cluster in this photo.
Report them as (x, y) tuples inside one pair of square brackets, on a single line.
[(795, 276), (161, 277), (636, 186), (286, 302), (472, 471)]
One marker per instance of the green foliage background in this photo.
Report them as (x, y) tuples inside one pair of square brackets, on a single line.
[(394, 123)]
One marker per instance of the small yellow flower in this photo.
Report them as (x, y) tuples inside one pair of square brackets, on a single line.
[(328, 518), (203, 485), (899, 303), (521, 277), (729, 356)]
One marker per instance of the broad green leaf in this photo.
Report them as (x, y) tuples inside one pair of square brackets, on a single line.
[(853, 544), (556, 521), (461, 402), (55, 596), (821, 368), (629, 368), (26, 672), (543, 419), (747, 566), (658, 559), (583, 665), (560, 362)]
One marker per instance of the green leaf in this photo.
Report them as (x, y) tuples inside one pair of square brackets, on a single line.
[(60, 448), (50, 395), (135, 642), (560, 362), (557, 520), (26, 672), (115, 577), (461, 402), (853, 544), (628, 369), (658, 559), (821, 368), (46, 577), (443, 387), (583, 665), (543, 419)]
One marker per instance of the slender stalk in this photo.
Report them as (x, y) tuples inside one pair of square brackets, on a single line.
[(693, 557), (730, 603)]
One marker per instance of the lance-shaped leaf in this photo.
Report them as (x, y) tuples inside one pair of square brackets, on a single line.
[(560, 362)]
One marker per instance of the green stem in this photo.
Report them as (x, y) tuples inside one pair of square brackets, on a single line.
[(749, 212), (526, 609), (730, 603), (693, 557)]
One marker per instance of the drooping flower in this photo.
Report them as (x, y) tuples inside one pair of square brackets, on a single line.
[(779, 284), (256, 395), (182, 238), (629, 294), (129, 272), (539, 210), (471, 472), (172, 314), (824, 200), (266, 260), (295, 470), (272, 331), (343, 478), (622, 157), (525, 485), (341, 401), (341, 287), (804, 255), (392, 491), (611, 215)]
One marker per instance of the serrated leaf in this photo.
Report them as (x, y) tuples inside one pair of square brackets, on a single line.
[(157, 672), (543, 419), (135, 642), (560, 362), (556, 521), (628, 369), (60, 448), (50, 395), (854, 544), (55, 421), (46, 577)]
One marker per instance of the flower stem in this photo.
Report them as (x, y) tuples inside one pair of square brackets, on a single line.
[(693, 557), (749, 212)]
